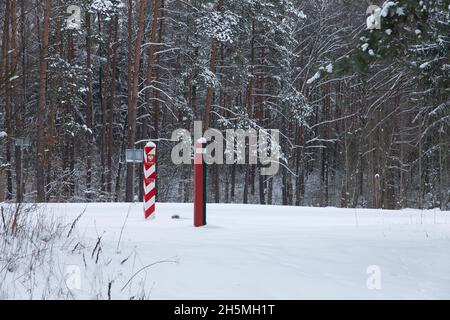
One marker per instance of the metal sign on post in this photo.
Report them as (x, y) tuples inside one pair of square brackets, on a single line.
[(200, 183), (134, 156), (23, 143), (150, 180)]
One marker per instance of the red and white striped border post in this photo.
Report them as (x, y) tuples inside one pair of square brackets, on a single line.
[(149, 180)]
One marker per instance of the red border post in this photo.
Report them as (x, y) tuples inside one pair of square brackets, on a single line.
[(200, 183), (150, 180)]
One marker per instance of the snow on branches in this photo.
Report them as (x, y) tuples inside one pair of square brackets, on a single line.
[(106, 7), (297, 105), (328, 69), (218, 25)]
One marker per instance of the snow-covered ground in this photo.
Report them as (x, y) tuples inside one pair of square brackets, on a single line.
[(259, 252)]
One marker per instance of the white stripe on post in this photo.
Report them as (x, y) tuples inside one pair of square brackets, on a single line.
[(150, 180)]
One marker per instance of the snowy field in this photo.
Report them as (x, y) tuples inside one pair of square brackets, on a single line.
[(254, 252)]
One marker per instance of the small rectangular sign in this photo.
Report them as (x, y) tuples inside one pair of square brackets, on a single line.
[(135, 155), (23, 142)]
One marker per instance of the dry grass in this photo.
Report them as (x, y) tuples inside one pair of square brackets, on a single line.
[(36, 248)]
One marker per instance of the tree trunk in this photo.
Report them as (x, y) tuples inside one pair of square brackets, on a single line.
[(104, 75), (16, 111), (150, 63), (112, 104), (89, 105), (132, 108), (70, 142), (300, 180), (8, 112), (157, 93), (40, 165), (233, 183), (212, 68), (2, 187), (420, 173), (443, 167), (270, 192)]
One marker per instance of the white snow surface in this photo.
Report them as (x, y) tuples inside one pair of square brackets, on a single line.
[(265, 252)]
